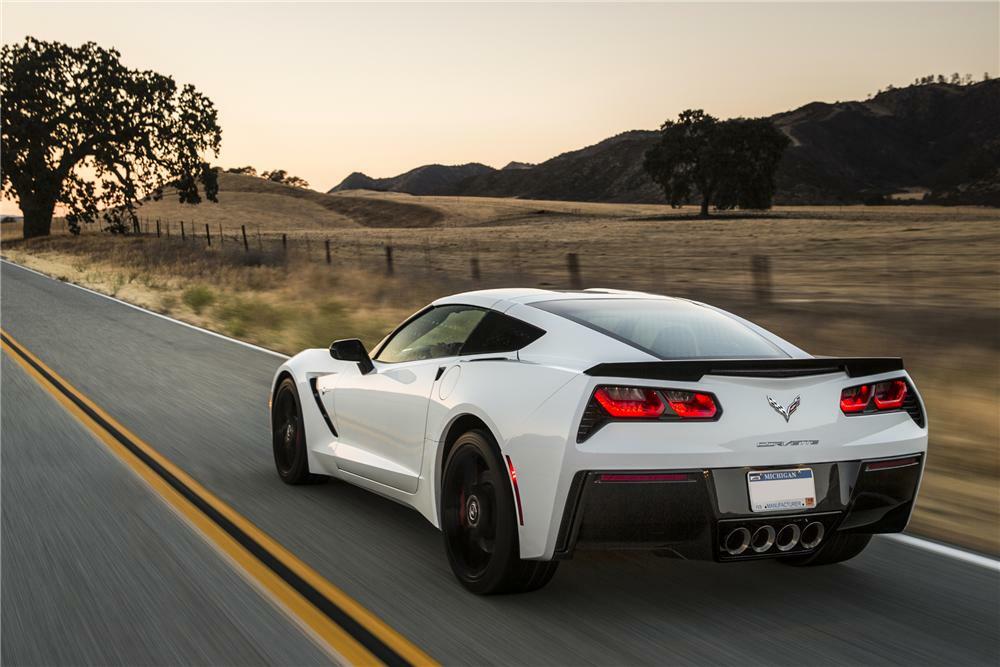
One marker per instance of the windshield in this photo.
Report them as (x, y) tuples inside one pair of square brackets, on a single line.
[(667, 328)]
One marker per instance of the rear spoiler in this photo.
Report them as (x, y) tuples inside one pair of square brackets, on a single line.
[(693, 370)]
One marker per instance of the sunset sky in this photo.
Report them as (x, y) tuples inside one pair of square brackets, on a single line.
[(322, 90)]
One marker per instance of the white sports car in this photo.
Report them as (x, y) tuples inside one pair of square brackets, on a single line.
[(526, 424)]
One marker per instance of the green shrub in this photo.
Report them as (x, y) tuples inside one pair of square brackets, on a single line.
[(331, 320), (242, 316), (198, 297)]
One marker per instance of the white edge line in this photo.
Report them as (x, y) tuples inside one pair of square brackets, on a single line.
[(945, 550), (926, 545), (258, 348)]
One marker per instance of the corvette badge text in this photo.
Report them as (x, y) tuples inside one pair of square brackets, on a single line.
[(787, 443)]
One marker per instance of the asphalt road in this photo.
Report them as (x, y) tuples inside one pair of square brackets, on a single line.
[(201, 402), (98, 570)]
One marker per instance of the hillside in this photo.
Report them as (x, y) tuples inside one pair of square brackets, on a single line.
[(609, 171), (939, 138), (431, 179), (259, 202)]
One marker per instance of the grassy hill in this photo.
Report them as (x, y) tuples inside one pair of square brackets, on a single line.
[(257, 202), (274, 207)]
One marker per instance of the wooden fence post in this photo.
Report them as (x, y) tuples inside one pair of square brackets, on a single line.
[(183, 237), (222, 237), (327, 242), (388, 260), (760, 268), (284, 242), (246, 246), (474, 265), (208, 235), (168, 229), (157, 228), (573, 266)]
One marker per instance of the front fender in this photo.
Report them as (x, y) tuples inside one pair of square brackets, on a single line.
[(301, 368)]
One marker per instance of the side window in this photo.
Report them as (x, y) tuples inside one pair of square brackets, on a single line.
[(440, 332), (501, 333)]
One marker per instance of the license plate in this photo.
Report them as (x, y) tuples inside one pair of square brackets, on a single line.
[(777, 490)]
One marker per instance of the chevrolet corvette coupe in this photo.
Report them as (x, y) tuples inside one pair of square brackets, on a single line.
[(526, 424)]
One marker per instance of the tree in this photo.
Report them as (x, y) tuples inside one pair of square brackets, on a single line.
[(278, 175), (296, 182), (81, 130), (247, 171), (728, 163), (282, 176)]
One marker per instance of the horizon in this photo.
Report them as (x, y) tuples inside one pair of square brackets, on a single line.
[(501, 83)]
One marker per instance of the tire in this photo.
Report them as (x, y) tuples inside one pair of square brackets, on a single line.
[(479, 524), (840, 547), (288, 437)]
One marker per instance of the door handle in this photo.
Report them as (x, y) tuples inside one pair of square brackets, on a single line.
[(440, 372)]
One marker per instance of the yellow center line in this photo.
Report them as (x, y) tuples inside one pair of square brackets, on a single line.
[(340, 640)]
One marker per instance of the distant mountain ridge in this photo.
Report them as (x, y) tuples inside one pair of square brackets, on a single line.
[(431, 179), (941, 138)]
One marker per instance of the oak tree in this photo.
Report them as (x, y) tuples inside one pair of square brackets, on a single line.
[(722, 163), (82, 130)]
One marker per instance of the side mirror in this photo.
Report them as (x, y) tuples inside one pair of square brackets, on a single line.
[(352, 349)]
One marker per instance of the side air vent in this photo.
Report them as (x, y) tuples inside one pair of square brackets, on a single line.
[(912, 407), (594, 417), (322, 408)]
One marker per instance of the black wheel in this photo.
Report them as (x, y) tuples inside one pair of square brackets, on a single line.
[(288, 436), (840, 547), (479, 522)]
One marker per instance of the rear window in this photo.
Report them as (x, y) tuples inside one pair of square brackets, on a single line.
[(666, 328)]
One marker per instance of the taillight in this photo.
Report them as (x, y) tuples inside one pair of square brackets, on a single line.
[(875, 397), (691, 404), (889, 395), (610, 403), (855, 399), (647, 403), (630, 402)]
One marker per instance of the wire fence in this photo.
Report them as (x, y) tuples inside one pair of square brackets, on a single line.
[(858, 273)]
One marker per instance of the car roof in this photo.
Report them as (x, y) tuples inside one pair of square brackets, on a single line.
[(503, 298), (517, 300)]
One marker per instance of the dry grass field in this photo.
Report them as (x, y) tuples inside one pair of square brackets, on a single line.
[(919, 282)]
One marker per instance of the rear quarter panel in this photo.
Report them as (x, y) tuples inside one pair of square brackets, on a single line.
[(529, 409)]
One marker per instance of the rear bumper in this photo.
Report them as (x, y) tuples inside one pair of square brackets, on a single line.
[(689, 513)]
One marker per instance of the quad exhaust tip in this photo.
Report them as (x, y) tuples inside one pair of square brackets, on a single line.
[(737, 541), (812, 535), (788, 537), (763, 539)]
